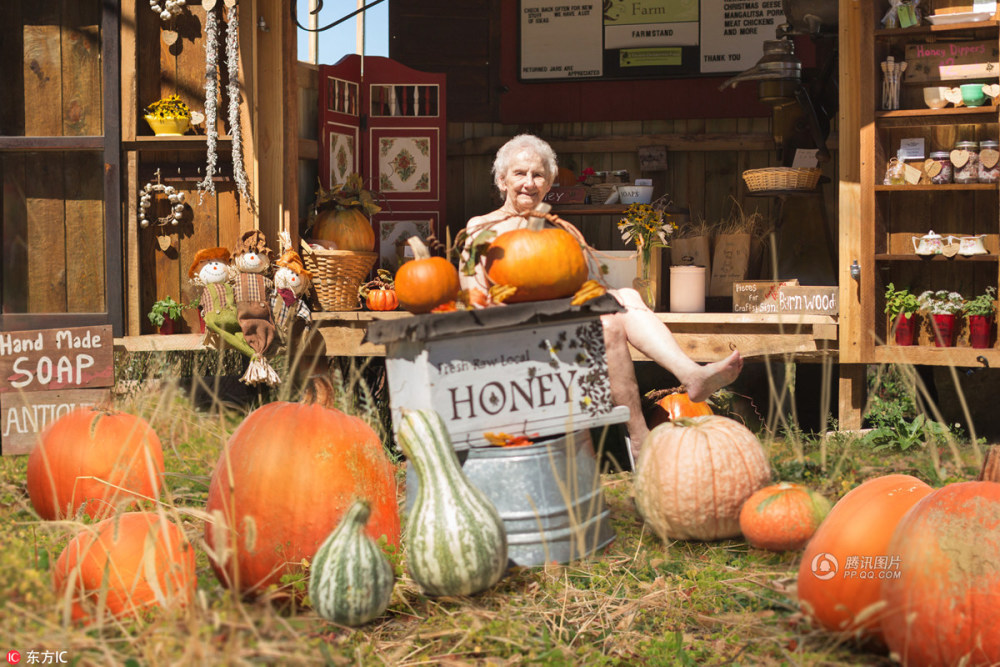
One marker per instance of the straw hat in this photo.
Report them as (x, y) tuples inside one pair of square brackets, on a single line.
[(253, 241), (291, 260)]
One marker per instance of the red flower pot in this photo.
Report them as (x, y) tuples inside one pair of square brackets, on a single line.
[(201, 322), (904, 330), (167, 328), (980, 330), (944, 329)]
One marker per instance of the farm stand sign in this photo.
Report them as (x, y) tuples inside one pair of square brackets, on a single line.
[(45, 374)]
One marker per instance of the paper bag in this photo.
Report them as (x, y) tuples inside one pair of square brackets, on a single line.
[(730, 264)]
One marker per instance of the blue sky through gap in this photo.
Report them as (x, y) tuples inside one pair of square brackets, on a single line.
[(337, 42)]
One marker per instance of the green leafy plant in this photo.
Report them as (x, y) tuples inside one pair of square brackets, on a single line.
[(170, 106), (985, 304), (941, 302), (900, 302), (166, 309), (904, 433)]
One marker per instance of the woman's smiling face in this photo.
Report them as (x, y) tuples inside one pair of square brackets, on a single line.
[(525, 182)]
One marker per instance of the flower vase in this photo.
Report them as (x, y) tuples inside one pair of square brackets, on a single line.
[(980, 331), (903, 329), (944, 329), (644, 284), (167, 328)]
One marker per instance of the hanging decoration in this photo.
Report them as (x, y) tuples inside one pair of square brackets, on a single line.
[(170, 8), (174, 196), (212, 96)]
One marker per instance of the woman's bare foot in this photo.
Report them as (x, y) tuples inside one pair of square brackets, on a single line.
[(714, 376)]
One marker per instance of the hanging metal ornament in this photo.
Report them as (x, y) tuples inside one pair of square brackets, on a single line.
[(174, 196)]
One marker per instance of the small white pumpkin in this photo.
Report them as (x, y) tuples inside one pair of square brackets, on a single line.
[(694, 474), (350, 579)]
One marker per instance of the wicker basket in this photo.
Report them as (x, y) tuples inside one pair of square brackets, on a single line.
[(599, 193), (337, 275), (781, 178)]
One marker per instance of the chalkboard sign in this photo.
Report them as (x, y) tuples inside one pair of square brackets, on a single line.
[(618, 39)]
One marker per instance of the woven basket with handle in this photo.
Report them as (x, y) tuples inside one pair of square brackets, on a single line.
[(337, 275), (781, 178)]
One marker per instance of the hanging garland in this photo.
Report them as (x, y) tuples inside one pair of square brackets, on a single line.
[(174, 196), (211, 102), (170, 9), (233, 92)]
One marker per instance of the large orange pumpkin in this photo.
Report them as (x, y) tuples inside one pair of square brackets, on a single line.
[(133, 562), (425, 282), (943, 608), (286, 476), (782, 517), (693, 476), (96, 459), (541, 263), (838, 583), (346, 228), (675, 406)]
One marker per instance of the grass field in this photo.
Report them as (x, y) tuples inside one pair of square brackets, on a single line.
[(639, 601)]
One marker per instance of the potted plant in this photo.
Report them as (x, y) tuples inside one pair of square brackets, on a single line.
[(943, 306), (165, 314), (169, 116), (900, 306), (647, 228), (979, 311)]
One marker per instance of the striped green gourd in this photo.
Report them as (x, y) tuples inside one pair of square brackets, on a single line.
[(456, 543), (350, 579)]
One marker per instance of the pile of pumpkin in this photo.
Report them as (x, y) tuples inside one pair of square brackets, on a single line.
[(534, 263)]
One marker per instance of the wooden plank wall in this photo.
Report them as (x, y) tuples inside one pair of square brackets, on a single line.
[(704, 175), (52, 73)]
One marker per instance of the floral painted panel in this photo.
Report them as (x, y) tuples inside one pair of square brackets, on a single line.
[(392, 240), (404, 164), (342, 157)]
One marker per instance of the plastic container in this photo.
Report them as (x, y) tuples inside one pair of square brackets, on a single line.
[(687, 289)]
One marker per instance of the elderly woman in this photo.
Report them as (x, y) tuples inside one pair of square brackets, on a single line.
[(523, 171)]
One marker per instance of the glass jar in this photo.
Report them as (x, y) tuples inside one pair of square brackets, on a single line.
[(969, 171), (894, 173), (988, 155), (945, 175)]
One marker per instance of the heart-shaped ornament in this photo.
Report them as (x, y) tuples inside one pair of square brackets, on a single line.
[(208, 5), (989, 157), (949, 249), (954, 95), (164, 242), (932, 167), (959, 158), (992, 89), (169, 37)]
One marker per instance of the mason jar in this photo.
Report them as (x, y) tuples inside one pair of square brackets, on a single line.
[(945, 175), (988, 149), (968, 172)]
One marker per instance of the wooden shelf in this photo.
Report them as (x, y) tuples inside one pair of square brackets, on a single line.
[(947, 116), (189, 142), (945, 187), (912, 257), (928, 355), (927, 29), (589, 209)]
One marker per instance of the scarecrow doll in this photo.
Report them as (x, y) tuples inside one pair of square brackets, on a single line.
[(210, 271), (291, 280), (252, 290)]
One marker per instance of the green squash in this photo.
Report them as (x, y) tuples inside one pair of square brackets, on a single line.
[(456, 543), (350, 580)]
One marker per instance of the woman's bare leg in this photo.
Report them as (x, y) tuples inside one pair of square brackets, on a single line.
[(648, 334), (621, 377)]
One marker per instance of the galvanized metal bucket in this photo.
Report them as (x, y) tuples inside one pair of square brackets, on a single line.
[(547, 493)]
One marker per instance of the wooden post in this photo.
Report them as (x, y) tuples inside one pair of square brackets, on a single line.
[(851, 383), (991, 465)]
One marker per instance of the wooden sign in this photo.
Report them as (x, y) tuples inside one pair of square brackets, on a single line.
[(51, 359), (758, 296), (26, 414), (808, 300), (946, 60), (538, 379), (567, 195)]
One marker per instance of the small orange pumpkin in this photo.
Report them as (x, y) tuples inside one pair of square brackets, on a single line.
[(345, 228), (96, 459), (782, 517), (675, 406), (382, 299), (135, 561), (425, 282), (842, 595)]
